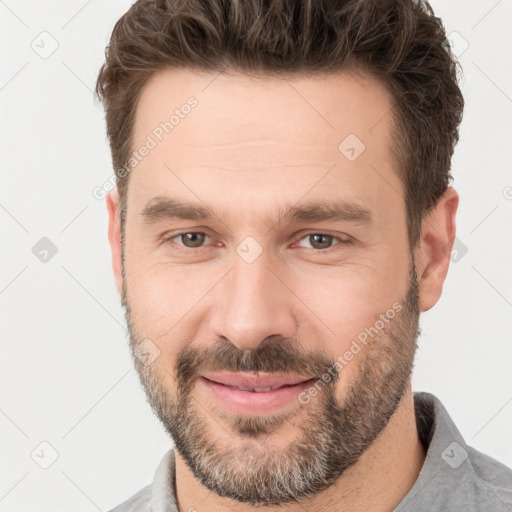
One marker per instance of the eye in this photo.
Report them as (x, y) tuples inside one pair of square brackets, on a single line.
[(190, 239), (319, 242), (322, 241)]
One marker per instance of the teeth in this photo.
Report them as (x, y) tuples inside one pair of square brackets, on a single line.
[(257, 390)]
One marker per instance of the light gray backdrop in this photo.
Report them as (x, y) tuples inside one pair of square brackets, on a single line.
[(70, 400)]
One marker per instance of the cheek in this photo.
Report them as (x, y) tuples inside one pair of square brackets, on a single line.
[(348, 300), (164, 298)]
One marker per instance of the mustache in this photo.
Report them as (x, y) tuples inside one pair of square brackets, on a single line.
[(274, 354)]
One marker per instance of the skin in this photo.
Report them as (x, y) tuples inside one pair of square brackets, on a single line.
[(251, 148)]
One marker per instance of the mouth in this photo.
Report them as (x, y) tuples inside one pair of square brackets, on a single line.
[(255, 383), (253, 390), (255, 395)]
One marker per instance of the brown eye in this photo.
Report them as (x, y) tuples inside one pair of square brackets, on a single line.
[(191, 239), (322, 241)]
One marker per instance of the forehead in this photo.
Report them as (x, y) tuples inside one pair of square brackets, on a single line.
[(213, 133)]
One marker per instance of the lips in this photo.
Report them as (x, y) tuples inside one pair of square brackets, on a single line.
[(256, 383)]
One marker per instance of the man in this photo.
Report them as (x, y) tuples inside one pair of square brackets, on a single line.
[(282, 217)]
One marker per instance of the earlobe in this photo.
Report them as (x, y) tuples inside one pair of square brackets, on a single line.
[(114, 237), (433, 254)]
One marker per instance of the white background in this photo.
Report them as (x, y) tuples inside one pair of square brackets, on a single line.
[(66, 374)]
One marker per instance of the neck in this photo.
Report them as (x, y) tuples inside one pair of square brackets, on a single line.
[(379, 480)]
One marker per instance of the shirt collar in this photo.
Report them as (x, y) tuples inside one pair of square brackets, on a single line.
[(445, 449)]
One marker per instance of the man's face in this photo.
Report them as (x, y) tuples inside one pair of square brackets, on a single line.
[(254, 289)]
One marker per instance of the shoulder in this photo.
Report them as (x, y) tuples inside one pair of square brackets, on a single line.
[(454, 476), (492, 478), (140, 502), (157, 496)]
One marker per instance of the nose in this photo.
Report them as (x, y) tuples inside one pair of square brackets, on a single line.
[(252, 303)]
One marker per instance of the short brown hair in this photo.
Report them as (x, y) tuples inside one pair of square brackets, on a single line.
[(400, 42)]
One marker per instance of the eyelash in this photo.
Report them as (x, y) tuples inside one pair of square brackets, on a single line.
[(185, 249)]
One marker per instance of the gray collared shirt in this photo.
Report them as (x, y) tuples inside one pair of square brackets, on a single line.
[(454, 476)]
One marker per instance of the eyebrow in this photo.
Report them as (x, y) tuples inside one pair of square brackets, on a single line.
[(167, 208)]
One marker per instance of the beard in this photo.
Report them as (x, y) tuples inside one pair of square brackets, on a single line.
[(332, 432)]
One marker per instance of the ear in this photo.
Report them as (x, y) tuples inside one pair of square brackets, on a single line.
[(114, 237), (433, 254)]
